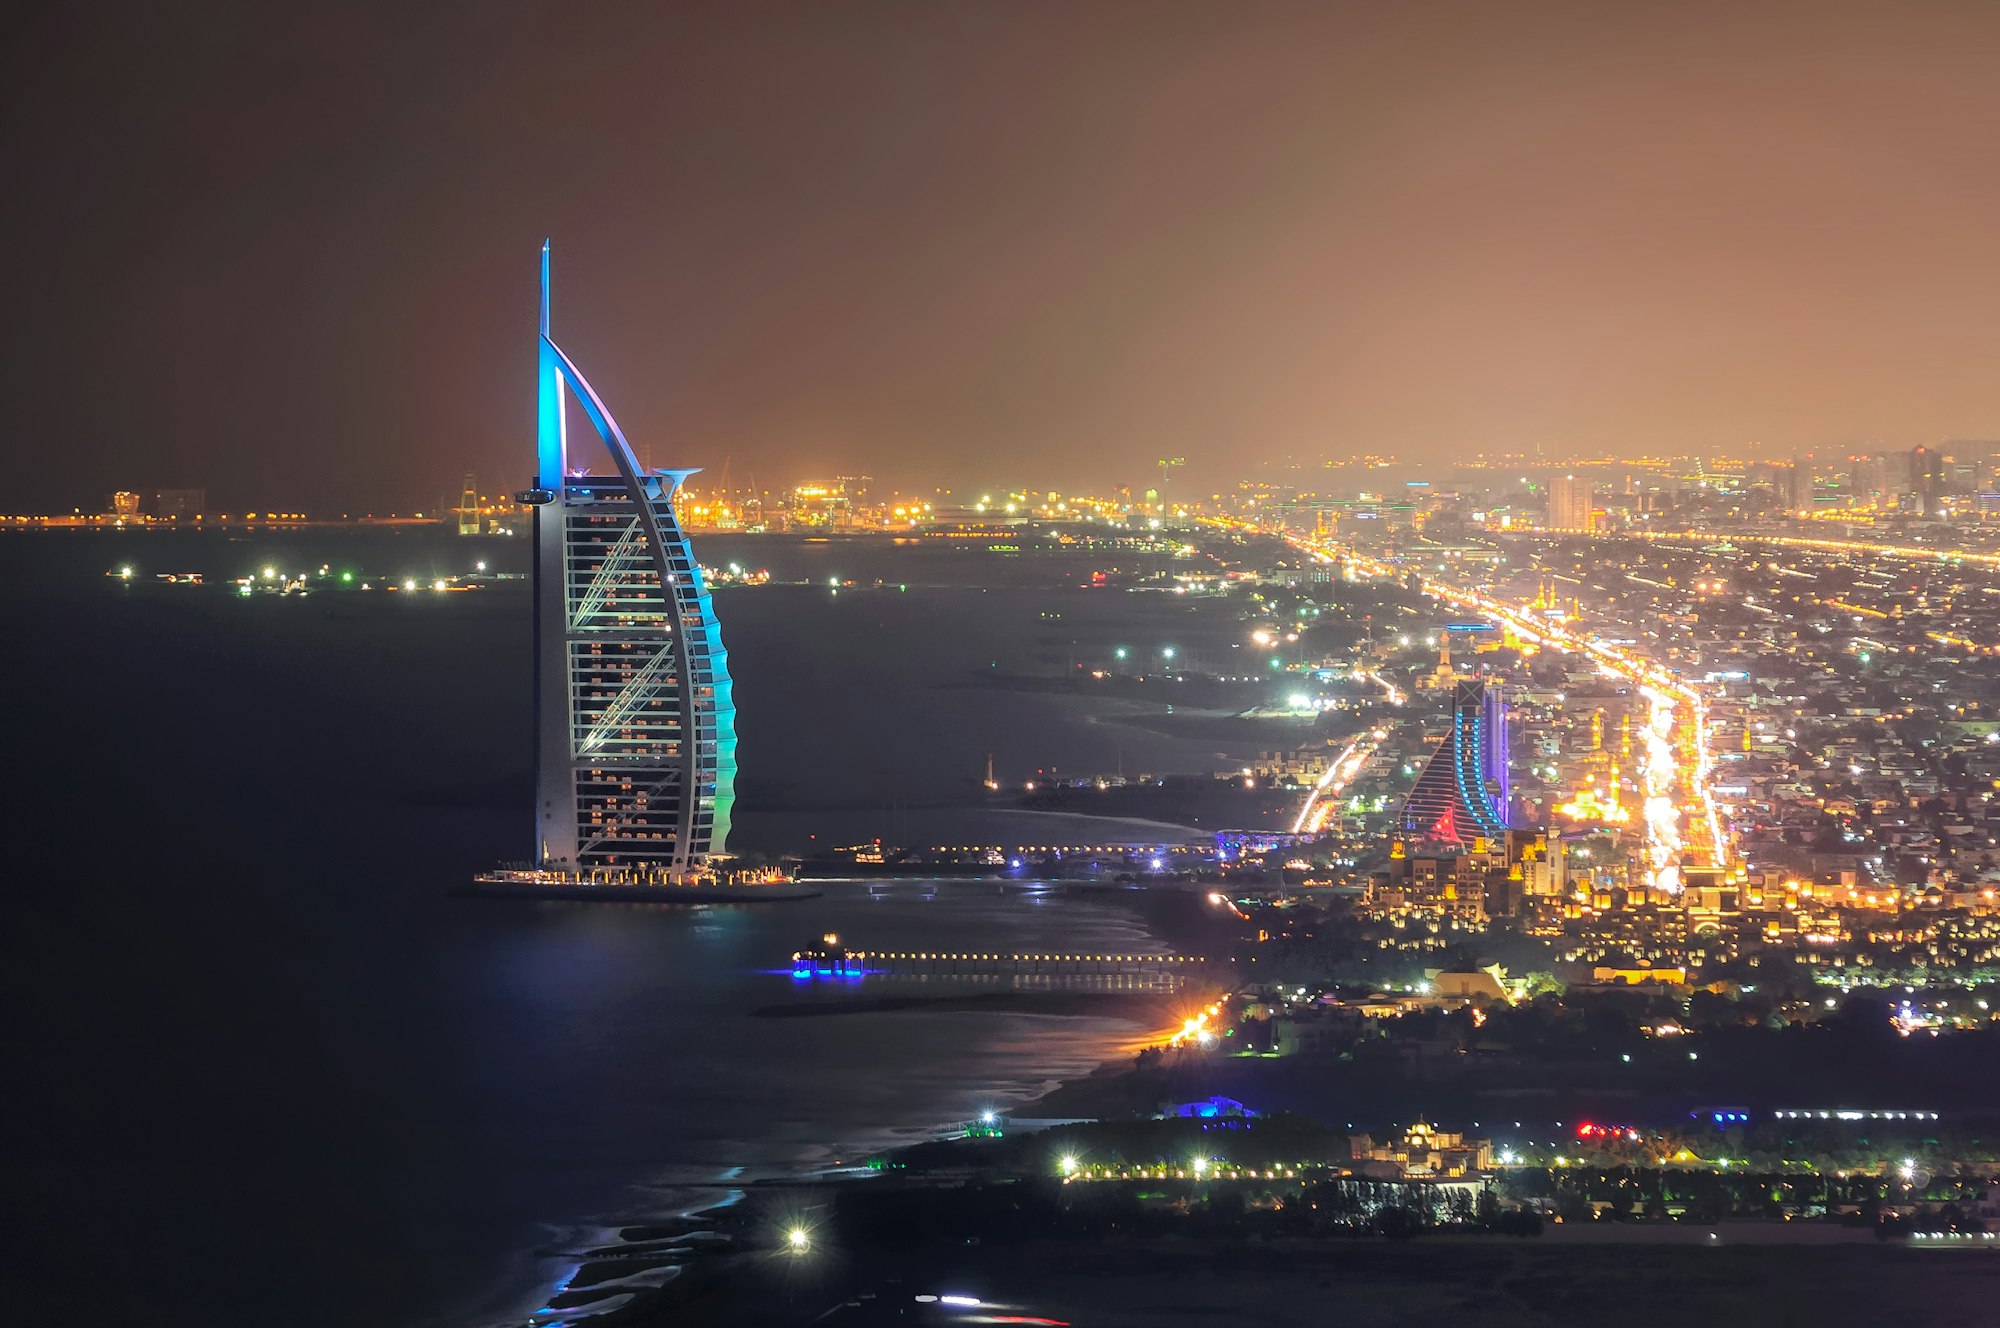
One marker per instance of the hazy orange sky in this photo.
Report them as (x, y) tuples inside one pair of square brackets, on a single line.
[(289, 253)]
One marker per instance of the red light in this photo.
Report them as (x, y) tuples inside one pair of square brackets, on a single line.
[(1591, 1130)]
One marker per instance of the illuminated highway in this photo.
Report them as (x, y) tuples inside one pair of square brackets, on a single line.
[(1391, 693), (1677, 769), (1916, 552), (1321, 802)]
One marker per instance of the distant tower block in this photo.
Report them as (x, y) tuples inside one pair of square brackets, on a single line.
[(1572, 504), (468, 508), (635, 766), (176, 504)]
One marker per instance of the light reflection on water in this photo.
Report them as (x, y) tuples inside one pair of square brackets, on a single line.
[(272, 1031), (623, 1039)]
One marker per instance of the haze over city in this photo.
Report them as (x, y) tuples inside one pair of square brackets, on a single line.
[(1088, 663), (275, 252)]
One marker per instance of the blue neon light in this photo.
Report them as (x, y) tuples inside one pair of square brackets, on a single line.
[(709, 759), (1482, 806)]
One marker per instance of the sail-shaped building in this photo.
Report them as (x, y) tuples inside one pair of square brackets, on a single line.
[(635, 756), (1461, 796)]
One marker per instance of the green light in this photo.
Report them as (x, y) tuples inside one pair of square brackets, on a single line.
[(1277, 663), (347, 576)]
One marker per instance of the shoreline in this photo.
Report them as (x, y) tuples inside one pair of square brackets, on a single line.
[(649, 1270)]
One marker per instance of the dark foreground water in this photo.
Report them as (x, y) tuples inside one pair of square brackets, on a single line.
[(265, 1071), (615, 1049)]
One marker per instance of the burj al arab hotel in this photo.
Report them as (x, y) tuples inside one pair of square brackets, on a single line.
[(635, 747)]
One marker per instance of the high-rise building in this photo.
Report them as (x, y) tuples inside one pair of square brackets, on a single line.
[(1572, 504), (1461, 796), (1798, 485), (1926, 479), (1868, 481), (635, 766)]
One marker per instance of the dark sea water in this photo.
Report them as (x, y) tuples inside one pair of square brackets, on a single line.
[(267, 1071)]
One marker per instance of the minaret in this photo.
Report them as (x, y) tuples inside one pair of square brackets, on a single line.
[(1443, 677)]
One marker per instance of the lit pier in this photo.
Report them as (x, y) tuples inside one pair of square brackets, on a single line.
[(832, 960)]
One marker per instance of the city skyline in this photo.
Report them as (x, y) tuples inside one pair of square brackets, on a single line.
[(1945, 486), (904, 244), (1350, 621)]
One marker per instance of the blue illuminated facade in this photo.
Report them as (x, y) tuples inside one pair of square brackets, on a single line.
[(635, 761), (1462, 795)]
